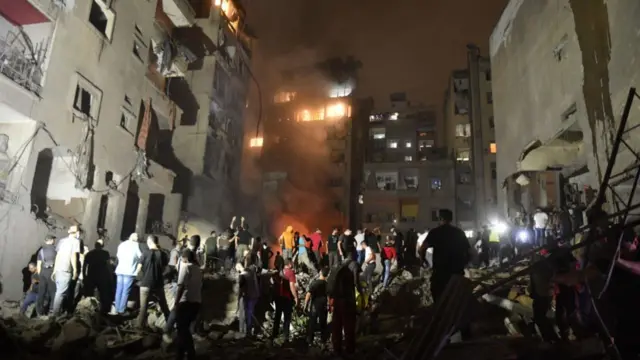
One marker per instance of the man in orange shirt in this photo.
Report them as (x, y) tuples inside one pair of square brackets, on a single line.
[(286, 241)]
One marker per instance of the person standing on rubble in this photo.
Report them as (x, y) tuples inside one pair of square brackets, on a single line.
[(341, 288), (188, 303), (398, 241), (451, 253), (128, 255), (286, 297), (66, 269), (31, 297), (287, 242), (389, 253), (317, 302), (98, 275), (243, 240), (249, 294), (359, 250), (152, 266), (347, 246), (211, 251), (332, 246), (316, 247), (303, 255), (540, 223), (47, 288), (369, 264)]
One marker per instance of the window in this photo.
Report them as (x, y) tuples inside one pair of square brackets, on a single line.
[(102, 18), (494, 173), (493, 148), (463, 155), (138, 43), (392, 144), (464, 178), (377, 133), (393, 116), (463, 130), (375, 118), (102, 212), (127, 121), (435, 216), (423, 144), (86, 99), (284, 97), (408, 144), (127, 101), (487, 75), (436, 184), (408, 158), (387, 180), (489, 98), (492, 124)]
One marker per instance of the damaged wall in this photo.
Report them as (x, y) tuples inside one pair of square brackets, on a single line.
[(582, 57)]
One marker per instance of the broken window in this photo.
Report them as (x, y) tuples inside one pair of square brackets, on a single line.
[(463, 130), (128, 121), (387, 181), (130, 216), (82, 101), (155, 209), (102, 18), (86, 99)]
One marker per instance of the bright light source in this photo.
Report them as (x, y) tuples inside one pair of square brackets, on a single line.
[(256, 142), (469, 233), (500, 227), (394, 116), (218, 2), (336, 110)]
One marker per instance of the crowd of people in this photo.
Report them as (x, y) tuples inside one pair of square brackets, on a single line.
[(343, 273)]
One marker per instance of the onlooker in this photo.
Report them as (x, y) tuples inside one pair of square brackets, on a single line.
[(347, 245), (66, 269), (248, 296), (47, 287), (540, 222), (303, 255), (211, 251), (389, 252), (128, 255), (359, 249), (98, 275), (285, 299), (188, 300), (369, 263), (316, 247), (152, 265), (332, 245), (317, 298), (287, 242), (341, 287), (243, 241)]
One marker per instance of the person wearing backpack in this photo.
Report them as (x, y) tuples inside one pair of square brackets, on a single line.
[(286, 297)]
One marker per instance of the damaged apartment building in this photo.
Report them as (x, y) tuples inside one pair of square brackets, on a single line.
[(408, 175), (470, 133), (309, 159), (92, 120), (559, 92)]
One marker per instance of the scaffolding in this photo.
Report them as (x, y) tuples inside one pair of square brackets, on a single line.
[(429, 340)]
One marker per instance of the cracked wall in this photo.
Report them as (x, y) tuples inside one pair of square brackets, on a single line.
[(554, 55)]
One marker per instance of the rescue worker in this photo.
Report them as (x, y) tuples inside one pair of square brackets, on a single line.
[(47, 288), (494, 244)]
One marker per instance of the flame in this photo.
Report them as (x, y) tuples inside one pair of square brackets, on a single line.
[(256, 142), (218, 3), (336, 110)]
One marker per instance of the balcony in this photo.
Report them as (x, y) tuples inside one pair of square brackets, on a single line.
[(180, 12), (50, 8), (25, 38)]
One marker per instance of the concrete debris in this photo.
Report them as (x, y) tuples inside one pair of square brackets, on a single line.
[(395, 312)]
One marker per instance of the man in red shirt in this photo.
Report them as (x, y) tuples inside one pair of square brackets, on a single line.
[(286, 297), (316, 247), (389, 255)]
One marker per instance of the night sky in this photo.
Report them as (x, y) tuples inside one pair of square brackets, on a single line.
[(405, 45)]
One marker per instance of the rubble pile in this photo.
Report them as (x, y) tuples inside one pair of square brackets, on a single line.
[(396, 312)]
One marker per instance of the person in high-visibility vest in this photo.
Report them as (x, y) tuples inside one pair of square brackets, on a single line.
[(494, 243)]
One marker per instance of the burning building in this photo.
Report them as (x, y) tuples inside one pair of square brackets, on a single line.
[(310, 163)]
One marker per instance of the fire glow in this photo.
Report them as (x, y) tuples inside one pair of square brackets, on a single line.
[(256, 142), (333, 111)]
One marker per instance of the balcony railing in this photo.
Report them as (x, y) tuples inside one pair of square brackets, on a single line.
[(180, 12), (50, 7), (17, 65)]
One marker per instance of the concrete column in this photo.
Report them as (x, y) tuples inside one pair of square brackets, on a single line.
[(141, 219)]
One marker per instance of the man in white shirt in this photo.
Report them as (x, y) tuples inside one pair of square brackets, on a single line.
[(66, 270), (188, 300), (129, 256), (369, 263), (359, 241), (540, 222)]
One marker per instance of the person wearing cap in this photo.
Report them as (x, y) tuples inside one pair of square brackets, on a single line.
[(66, 270)]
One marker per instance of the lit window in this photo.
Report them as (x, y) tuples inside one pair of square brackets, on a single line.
[(462, 155), (393, 116), (377, 133), (493, 148), (463, 130), (284, 96), (310, 115), (340, 91), (336, 110), (256, 142), (425, 144), (408, 158), (393, 144), (436, 184), (407, 144)]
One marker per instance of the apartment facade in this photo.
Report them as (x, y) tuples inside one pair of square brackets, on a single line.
[(308, 157), (407, 176), (90, 118), (470, 132), (557, 110)]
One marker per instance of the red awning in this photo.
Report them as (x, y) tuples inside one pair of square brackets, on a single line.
[(21, 12)]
